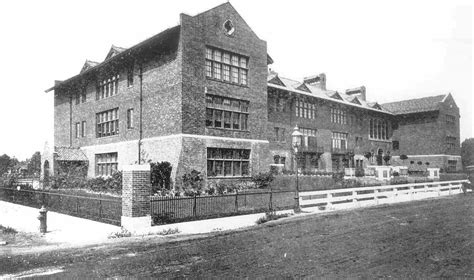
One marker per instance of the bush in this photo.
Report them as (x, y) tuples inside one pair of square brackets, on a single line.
[(192, 183), (160, 175), (270, 216), (112, 184), (263, 179), (359, 172)]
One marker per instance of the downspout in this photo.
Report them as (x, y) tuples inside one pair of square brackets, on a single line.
[(140, 76), (70, 120)]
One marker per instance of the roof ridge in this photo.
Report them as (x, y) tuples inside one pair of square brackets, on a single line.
[(419, 98)]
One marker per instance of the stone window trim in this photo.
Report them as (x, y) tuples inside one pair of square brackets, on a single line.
[(107, 123), (338, 115), (130, 119), (305, 109), (379, 130), (106, 164), (228, 27), (227, 67), (227, 113), (228, 163), (107, 87)]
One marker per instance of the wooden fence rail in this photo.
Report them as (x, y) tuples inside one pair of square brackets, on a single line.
[(365, 196)]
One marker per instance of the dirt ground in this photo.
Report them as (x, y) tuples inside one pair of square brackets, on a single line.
[(423, 239)]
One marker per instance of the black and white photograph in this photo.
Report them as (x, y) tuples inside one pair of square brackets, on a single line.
[(237, 139)]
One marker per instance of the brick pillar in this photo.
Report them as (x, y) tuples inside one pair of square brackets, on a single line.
[(136, 191)]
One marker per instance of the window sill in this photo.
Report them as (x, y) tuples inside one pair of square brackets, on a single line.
[(229, 177), (227, 129), (106, 137), (380, 140), (227, 83)]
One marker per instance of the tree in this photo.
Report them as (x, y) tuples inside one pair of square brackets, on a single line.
[(34, 164), (6, 163), (467, 152)]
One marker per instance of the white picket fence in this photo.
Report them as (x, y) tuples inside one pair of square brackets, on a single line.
[(367, 196)]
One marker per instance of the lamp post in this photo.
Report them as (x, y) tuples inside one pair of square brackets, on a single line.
[(296, 139)]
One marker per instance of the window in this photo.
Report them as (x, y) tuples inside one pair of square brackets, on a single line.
[(305, 109), (358, 141), (450, 142), (106, 164), (83, 96), (78, 127), (280, 134), (378, 129), (130, 76), (77, 97), (450, 119), (226, 66), (228, 162), (83, 129), (338, 116), (395, 145), (222, 112), (452, 165), (309, 137), (130, 118), (107, 123), (339, 140), (107, 87)]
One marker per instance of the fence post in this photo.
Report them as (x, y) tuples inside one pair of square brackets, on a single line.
[(136, 197), (412, 192), (270, 206), (329, 202), (236, 201), (394, 194), (354, 199), (449, 189), (439, 189), (77, 205), (194, 205), (376, 196), (100, 206)]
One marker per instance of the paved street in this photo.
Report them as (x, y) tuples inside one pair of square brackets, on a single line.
[(423, 239)]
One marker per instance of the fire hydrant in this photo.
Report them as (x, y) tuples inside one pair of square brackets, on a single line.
[(42, 218)]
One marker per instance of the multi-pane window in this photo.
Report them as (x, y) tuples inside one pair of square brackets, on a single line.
[(395, 145), (309, 136), (77, 129), (107, 87), (305, 109), (228, 162), (226, 66), (228, 113), (130, 76), (450, 119), (106, 164), (107, 123), (130, 118), (338, 115), (451, 142), (77, 97), (339, 140), (378, 129), (277, 104), (83, 129), (280, 134), (452, 165)]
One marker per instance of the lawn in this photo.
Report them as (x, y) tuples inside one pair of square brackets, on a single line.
[(426, 239)]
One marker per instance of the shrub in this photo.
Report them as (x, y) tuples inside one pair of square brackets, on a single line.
[(403, 157), (8, 230), (396, 174), (263, 179), (338, 176), (162, 218), (359, 172), (122, 233), (160, 175), (192, 183)]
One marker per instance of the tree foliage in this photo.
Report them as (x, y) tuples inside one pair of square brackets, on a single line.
[(34, 164), (467, 152)]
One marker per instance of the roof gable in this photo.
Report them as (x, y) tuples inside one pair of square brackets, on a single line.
[(114, 50), (376, 106), (88, 64), (303, 87), (356, 100), (276, 81), (336, 95)]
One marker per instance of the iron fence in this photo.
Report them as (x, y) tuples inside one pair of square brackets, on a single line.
[(101, 209), (166, 210)]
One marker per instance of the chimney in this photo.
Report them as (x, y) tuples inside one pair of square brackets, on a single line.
[(360, 92), (318, 80)]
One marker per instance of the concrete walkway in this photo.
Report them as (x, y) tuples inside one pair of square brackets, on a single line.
[(62, 228)]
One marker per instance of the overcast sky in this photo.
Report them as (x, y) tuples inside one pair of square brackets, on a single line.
[(397, 49)]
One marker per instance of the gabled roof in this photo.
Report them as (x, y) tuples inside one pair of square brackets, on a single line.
[(162, 42), (376, 106), (424, 104), (69, 154), (114, 50), (88, 64), (315, 91), (274, 79)]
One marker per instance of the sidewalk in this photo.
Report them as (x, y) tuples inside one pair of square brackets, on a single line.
[(64, 229)]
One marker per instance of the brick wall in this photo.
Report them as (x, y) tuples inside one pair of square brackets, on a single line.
[(136, 191)]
